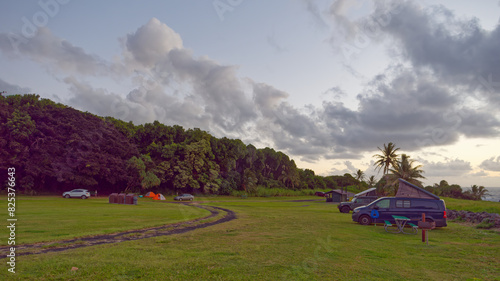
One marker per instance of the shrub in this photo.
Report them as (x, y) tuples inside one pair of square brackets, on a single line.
[(486, 224)]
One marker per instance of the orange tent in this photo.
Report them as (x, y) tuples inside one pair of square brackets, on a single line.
[(159, 196), (150, 194)]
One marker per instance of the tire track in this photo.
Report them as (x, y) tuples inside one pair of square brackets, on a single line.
[(165, 230)]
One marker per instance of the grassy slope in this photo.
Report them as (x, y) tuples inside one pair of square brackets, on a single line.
[(473, 206), (277, 240)]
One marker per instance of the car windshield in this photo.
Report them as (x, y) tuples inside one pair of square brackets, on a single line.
[(372, 204)]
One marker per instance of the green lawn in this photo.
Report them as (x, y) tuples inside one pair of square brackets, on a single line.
[(272, 239), (49, 218), (473, 206)]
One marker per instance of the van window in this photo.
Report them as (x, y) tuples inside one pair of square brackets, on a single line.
[(402, 203), (384, 203), (425, 205)]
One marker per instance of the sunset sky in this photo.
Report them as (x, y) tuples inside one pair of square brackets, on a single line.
[(326, 82)]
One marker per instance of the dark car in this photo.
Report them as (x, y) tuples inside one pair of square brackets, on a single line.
[(346, 207), (412, 208), (319, 193), (184, 197)]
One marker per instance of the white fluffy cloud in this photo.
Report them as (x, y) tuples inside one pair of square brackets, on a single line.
[(152, 42)]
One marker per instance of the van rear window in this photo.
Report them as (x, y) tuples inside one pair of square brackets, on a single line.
[(403, 204), (425, 205)]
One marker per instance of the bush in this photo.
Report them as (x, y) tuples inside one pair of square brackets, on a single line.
[(486, 224)]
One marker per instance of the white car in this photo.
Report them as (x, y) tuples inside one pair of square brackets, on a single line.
[(81, 193)]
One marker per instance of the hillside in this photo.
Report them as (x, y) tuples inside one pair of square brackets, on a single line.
[(55, 148)]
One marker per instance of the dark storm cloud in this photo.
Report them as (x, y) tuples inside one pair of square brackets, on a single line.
[(456, 49)]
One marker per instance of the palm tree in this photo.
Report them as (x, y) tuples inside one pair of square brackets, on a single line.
[(371, 181), (404, 169), (360, 175), (478, 192), (387, 158)]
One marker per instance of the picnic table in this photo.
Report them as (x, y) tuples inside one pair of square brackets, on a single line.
[(401, 221)]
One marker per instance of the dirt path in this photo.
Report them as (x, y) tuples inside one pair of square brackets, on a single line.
[(169, 229)]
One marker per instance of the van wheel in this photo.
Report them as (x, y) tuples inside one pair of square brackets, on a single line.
[(365, 220), (345, 209)]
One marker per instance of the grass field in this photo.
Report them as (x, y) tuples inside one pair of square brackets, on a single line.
[(473, 206), (49, 218), (272, 239)]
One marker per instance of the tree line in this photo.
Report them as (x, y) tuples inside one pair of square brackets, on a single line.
[(55, 148)]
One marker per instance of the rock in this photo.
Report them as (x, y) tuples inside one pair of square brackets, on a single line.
[(474, 217), (74, 268)]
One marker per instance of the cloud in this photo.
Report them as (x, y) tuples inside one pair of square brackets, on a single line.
[(152, 42), (416, 104), (55, 53), (451, 167), (11, 89), (492, 164), (437, 93), (271, 40), (312, 8)]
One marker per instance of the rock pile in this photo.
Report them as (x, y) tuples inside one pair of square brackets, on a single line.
[(472, 217)]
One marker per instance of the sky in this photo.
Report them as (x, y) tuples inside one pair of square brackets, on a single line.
[(326, 82)]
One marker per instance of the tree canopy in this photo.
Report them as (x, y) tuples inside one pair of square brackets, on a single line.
[(55, 148)]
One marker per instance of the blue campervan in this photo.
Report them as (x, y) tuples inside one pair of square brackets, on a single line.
[(410, 201)]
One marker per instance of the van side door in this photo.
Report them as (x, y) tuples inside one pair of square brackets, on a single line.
[(403, 207), (383, 206)]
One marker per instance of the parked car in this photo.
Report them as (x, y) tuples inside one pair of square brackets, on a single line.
[(78, 193), (319, 193), (184, 197), (412, 208), (346, 207)]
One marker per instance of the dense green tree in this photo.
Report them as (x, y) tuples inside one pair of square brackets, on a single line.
[(143, 177)]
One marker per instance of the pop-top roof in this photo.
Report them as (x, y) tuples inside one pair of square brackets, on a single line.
[(407, 189), (365, 192)]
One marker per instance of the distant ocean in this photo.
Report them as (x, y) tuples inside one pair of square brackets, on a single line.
[(494, 194)]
